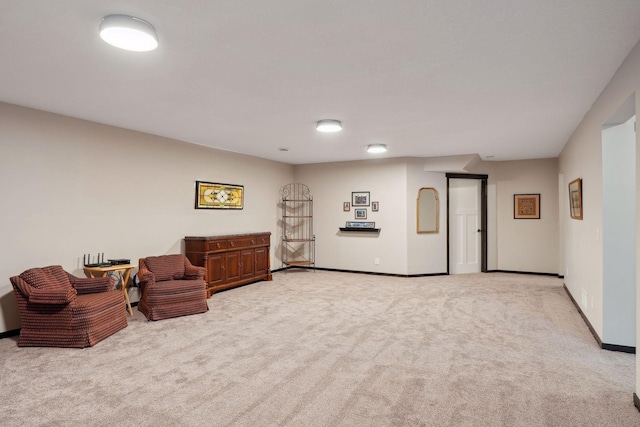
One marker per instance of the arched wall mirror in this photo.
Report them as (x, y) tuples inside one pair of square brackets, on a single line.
[(427, 210)]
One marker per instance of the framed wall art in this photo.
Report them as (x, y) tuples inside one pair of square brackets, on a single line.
[(375, 206), (211, 195), (526, 206), (360, 198), (346, 206), (427, 211), (361, 214), (575, 198)]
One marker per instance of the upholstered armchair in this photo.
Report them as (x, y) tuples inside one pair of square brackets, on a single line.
[(58, 309), (171, 286)]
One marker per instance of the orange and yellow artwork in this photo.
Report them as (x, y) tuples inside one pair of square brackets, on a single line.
[(210, 195)]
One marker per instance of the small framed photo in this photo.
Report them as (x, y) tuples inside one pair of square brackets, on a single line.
[(346, 206), (360, 198), (361, 214), (375, 206), (526, 206)]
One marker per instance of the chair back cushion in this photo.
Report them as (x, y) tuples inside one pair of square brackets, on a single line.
[(166, 267), (47, 277)]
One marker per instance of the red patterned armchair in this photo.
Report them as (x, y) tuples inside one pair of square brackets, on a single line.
[(171, 286), (58, 309)]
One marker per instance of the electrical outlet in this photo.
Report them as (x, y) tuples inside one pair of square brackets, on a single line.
[(376, 261)]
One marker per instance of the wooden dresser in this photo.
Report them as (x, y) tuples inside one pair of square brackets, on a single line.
[(231, 260)]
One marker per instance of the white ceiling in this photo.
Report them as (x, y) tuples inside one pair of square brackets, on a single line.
[(504, 78)]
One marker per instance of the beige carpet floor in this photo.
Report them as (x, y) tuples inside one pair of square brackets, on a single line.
[(337, 349)]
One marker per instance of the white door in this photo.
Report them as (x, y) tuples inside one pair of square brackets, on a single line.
[(464, 219)]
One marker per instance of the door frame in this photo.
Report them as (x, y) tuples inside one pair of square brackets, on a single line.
[(483, 214)]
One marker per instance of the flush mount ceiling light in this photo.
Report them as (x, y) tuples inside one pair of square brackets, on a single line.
[(376, 148), (329, 125), (129, 33)]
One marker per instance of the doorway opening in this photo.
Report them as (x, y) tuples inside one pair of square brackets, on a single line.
[(618, 229)]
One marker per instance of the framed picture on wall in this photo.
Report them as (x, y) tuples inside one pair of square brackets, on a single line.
[(213, 195), (361, 214), (526, 206), (375, 206), (575, 199), (360, 198), (346, 206)]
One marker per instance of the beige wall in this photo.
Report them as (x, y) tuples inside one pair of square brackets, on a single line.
[(582, 158), (426, 253), (518, 245), (529, 245), (331, 185), (72, 187)]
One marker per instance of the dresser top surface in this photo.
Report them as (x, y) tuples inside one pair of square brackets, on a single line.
[(226, 236)]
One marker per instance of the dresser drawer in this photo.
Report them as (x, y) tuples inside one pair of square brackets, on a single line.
[(243, 242), (217, 244)]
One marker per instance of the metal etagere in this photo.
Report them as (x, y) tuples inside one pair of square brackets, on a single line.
[(298, 240)]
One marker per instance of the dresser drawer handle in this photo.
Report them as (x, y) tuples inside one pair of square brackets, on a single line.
[(232, 244), (218, 245), (253, 241)]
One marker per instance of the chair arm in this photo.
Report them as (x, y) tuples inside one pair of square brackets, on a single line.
[(145, 276), (91, 285), (56, 295), (192, 272), (52, 295), (23, 287)]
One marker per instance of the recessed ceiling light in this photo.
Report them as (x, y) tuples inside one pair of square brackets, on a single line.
[(376, 148), (129, 33), (329, 125)]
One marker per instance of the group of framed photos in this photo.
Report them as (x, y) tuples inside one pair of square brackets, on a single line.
[(359, 201)]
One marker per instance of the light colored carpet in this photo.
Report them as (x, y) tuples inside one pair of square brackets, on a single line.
[(337, 349)]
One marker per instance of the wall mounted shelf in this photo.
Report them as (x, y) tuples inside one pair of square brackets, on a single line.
[(361, 230)]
